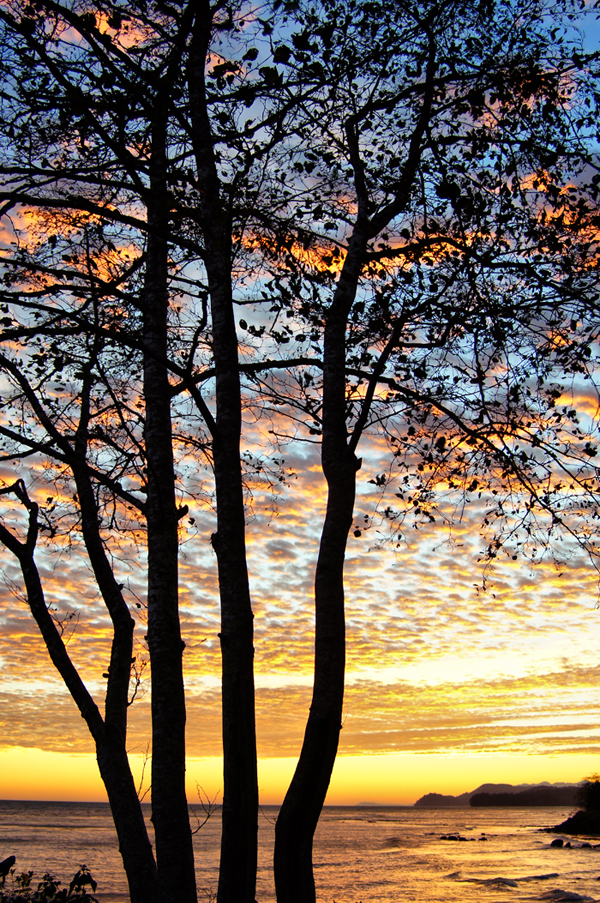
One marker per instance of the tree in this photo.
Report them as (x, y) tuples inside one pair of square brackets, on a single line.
[(96, 153), (401, 200), (456, 280), (588, 794), (133, 207)]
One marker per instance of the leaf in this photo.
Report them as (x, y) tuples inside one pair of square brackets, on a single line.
[(281, 54), (301, 42)]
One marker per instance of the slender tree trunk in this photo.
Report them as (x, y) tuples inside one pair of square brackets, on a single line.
[(111, 751), (134, 843), (174, 854), (237, 877), (299, 814)]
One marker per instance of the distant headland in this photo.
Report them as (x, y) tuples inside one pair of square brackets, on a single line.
[(543, 794)]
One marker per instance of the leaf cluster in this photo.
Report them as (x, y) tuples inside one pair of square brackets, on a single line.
[(48, 890)]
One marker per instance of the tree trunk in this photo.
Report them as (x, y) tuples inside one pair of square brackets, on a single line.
[(174, 854), (111, 751), (299, 814), (237, 877), (134, 843)]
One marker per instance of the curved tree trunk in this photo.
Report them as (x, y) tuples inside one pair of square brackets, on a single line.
[(299, 814), (111, 751), (134, 843)]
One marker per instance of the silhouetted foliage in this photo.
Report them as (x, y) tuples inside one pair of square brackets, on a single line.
[(588, 795), (536, 796), (401, 201), (23, 889)]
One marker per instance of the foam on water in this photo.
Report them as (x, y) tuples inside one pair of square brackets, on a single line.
[(371, 855)]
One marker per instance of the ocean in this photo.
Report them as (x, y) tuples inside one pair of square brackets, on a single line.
[(362, 854)]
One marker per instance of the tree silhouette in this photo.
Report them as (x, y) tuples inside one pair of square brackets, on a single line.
[(588, 794), (402, 203)]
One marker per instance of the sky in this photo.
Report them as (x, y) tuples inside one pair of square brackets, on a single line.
[(455, 676)]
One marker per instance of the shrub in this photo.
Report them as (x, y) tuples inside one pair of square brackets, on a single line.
[(48, 890)]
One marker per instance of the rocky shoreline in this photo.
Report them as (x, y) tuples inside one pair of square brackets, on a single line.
[(582, 822)]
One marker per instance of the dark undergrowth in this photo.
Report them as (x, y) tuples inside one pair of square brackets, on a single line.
[(22, 888)]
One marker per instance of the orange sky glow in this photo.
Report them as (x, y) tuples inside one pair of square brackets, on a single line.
[(448, 685), (456, 675)]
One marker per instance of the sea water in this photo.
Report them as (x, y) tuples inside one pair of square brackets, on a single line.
[(361, 855)]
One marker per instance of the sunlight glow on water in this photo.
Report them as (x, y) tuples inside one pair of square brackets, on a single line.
[(362, 854)]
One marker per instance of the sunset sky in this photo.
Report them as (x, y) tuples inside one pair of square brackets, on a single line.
[(456, 675), (448, 685)]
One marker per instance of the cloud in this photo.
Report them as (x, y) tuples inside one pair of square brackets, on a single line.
[(435, 662), (537, 713)]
